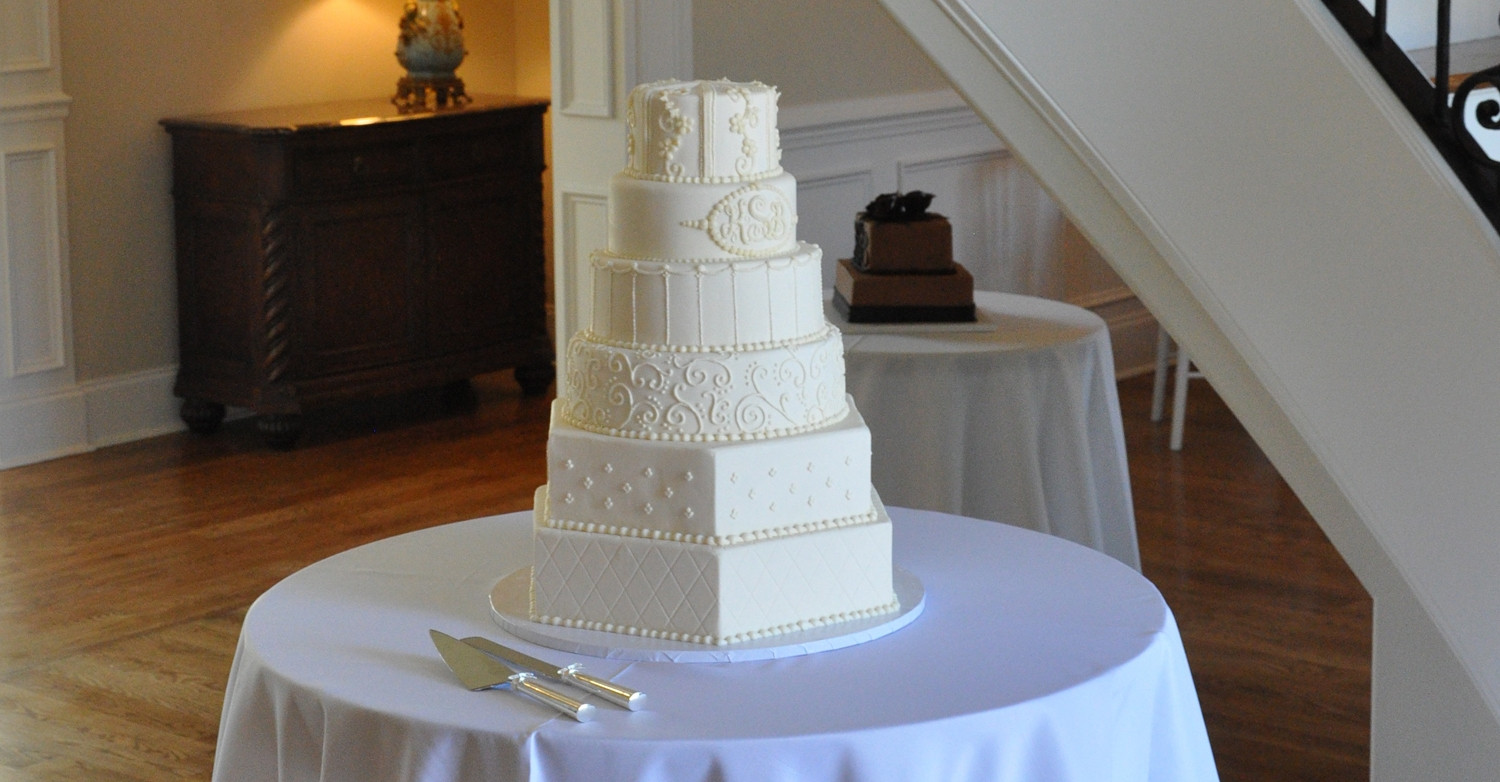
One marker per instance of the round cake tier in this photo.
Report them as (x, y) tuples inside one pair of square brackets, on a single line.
[(667, 305), (686, 221), (703, 131), (704, 395)]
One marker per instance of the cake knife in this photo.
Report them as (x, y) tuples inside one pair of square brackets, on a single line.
[(617, 694), (478, 671)]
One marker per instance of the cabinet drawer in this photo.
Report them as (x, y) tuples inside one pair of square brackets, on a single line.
[(477, 154), (350, 169)]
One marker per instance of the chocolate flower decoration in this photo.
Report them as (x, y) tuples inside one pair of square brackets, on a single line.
[(899, 207)]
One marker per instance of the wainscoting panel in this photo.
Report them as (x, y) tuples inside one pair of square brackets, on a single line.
[(42, 410), (970, 188), (25, 40), (586, 44), (584, 227), (822, 201), (1006, 229), (31, 263)]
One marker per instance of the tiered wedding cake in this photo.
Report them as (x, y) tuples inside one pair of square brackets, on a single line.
[(708, 478)]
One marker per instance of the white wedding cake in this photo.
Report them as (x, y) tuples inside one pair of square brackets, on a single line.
[(708, 478)]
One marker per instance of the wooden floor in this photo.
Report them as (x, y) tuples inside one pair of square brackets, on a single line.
[(1277, 628), (124, 575)]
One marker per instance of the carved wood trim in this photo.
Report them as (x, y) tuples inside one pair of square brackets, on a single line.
[(276, 251)]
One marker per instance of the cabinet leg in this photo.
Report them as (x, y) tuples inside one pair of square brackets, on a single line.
[(535, 378), (201, 415), (280, 431)]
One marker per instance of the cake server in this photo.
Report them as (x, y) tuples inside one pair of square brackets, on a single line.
[(617, 694), (479, 671)]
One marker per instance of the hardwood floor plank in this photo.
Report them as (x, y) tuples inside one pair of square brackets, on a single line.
[(54, 736), (1276, 627)]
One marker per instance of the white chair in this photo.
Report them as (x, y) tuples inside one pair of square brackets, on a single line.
[(1185, 372)]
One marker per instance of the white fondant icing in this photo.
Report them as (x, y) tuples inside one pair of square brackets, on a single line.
[(670, 221), (703, 131), (704, 395), (704, 540), (711, 594), (727, 479), (711, 478), (708, 304)]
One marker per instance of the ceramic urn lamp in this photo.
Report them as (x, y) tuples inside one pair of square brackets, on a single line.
[(430, 48)]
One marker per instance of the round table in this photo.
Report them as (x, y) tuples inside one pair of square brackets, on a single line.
[(1035, 659), (1014, 419)]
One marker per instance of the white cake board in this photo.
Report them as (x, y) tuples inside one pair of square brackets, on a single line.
[(510, 604), (981, 324)]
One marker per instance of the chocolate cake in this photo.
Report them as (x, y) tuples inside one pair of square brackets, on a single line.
[(903, 269)]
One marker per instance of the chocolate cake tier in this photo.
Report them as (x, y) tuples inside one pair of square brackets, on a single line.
[(921, 246), (862, 297)]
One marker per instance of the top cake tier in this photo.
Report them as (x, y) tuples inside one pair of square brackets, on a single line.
[(703, 131)]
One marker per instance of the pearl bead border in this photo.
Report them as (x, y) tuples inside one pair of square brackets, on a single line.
[(828, 332), (733, 437), (713, 640), (715, 541)]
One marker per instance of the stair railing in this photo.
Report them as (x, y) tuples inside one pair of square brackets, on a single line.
[(1435, 105)]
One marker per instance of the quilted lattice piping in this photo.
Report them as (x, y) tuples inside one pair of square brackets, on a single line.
[(721, 541), (712, 640)]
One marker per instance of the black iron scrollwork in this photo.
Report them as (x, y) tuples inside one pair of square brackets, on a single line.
[(1446, 118), (1486, 113)]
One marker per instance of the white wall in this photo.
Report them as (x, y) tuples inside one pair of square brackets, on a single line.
[(814, 52), (1247, 173)]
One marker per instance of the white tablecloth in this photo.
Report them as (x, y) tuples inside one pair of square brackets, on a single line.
[(1035, 659), (1020, 423)]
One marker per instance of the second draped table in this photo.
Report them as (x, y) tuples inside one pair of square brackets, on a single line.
[(1016, 419)]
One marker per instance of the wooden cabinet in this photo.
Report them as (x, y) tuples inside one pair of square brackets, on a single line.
[(346, 250)]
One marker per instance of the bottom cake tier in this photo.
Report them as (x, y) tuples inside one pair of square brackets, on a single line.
[(711, 593), (864, 297)]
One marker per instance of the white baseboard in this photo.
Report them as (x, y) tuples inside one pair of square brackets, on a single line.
[(132, 407), (87, 416), (34, 429)]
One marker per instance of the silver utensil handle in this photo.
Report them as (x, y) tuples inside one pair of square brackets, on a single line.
[(604, 688), (578, 710)]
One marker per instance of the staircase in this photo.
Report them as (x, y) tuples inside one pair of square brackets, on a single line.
[(1273, 201), (1449, 90)]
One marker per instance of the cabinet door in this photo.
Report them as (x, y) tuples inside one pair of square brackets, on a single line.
[(484, 267), (356, 301)]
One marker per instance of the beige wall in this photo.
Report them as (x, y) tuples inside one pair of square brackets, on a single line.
[(813, 51), (128, 64)]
